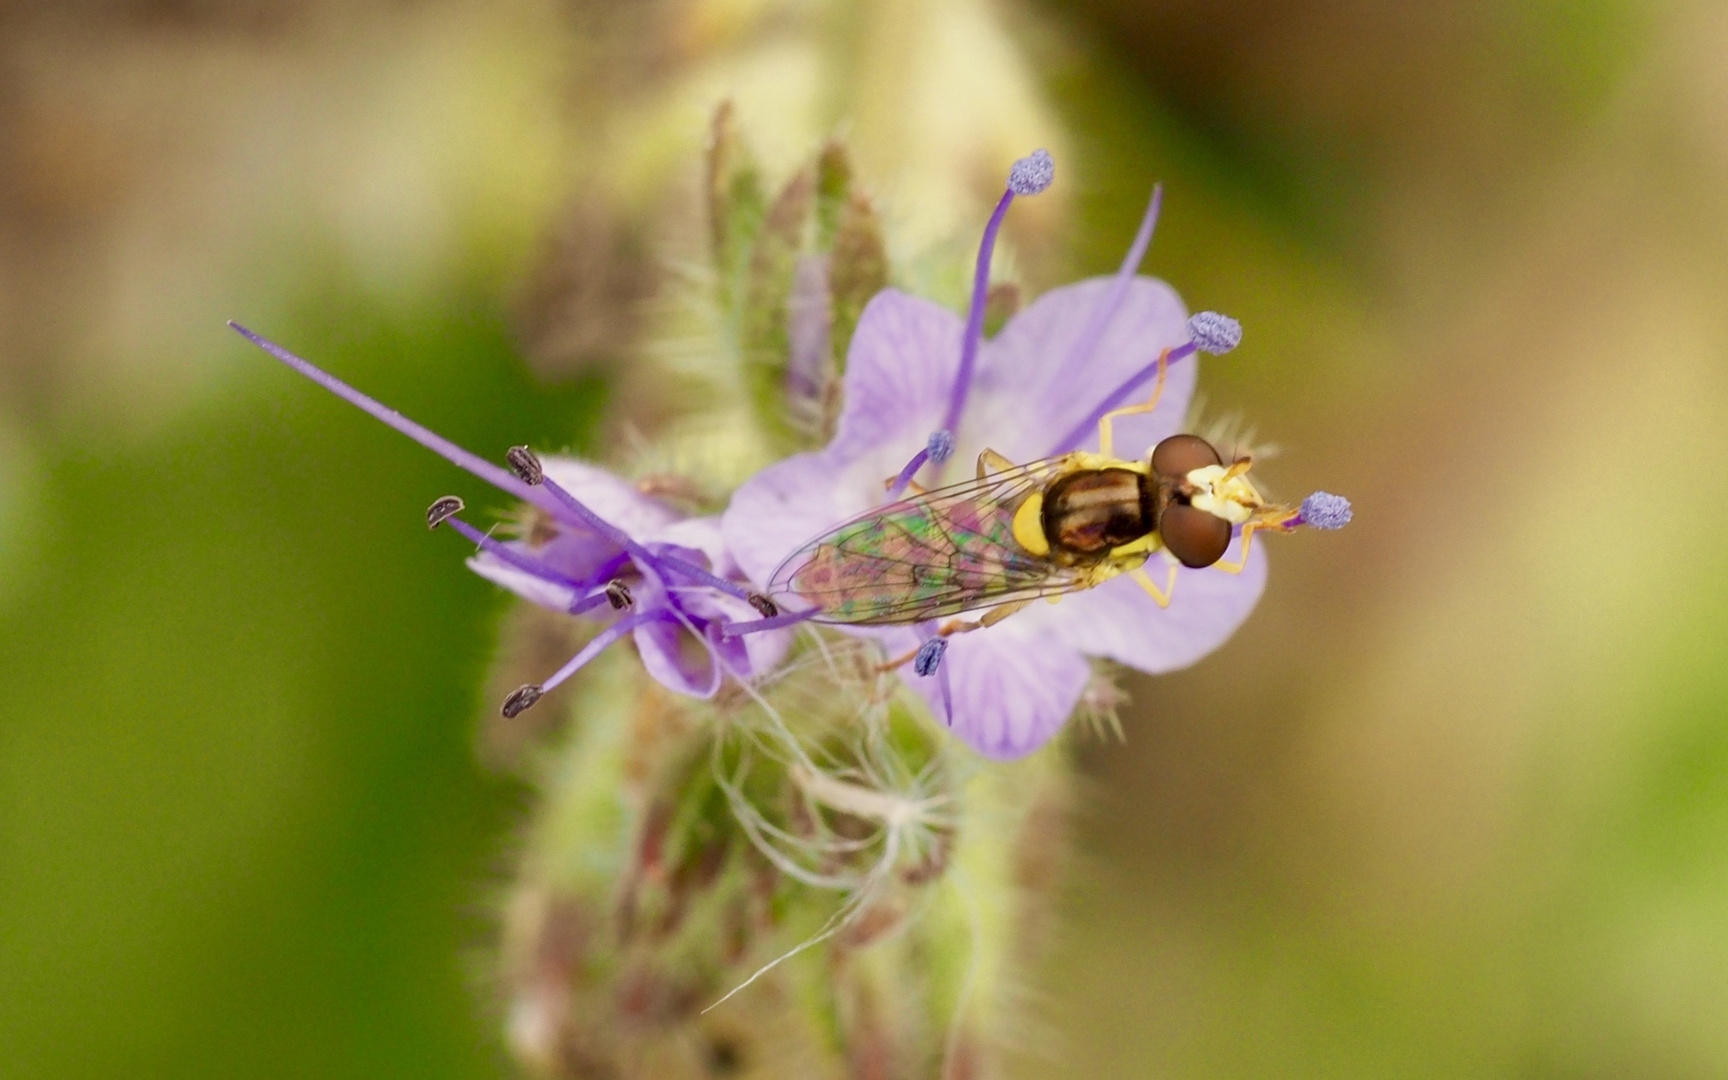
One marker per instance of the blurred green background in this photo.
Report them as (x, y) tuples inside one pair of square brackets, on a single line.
[(1454, 803)]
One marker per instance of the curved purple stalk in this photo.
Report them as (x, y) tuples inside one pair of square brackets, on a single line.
[(777, 622), (650, 561), (1112, 302), (520, 560), (975, 318), (1116, 399), (906, 474), (701, 576), (594, 648), (498, 477)]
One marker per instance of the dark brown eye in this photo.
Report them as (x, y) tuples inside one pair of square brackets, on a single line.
[(1195, 537), (1180, 455)]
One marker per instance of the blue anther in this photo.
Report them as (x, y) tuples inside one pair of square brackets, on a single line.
[(1214, 333), (929, 656), (941, 446), (1032, 174), (1323, 510)]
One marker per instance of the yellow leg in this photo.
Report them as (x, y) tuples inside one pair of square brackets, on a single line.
[(997, 614), (992, 462), (961, 626), (1247, 541), (1106, 436), (913, 487), (1144, 580)]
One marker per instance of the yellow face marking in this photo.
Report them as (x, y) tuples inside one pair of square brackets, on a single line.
[(1224, 493), (1029, 525)]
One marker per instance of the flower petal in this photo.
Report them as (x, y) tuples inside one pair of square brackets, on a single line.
[(676, 658), (528, 586), (1012, 688), (1031, 390), (776, 511), (698, 542), (1119, 621), (900, 368)]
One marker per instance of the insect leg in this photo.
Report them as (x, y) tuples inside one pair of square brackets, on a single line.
[(912, 486), (997, 614), (960, 626), (1106, 436), (1241, 562), (992, 462), (1144, 580)]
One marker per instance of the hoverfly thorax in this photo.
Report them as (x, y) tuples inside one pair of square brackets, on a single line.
[(1088, 512)]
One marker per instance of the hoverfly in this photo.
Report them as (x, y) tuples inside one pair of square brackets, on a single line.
[(1020, 532)]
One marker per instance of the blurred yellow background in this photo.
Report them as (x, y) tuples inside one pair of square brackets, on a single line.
[(1454, 803)]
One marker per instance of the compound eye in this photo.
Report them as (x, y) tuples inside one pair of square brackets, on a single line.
[(1180, 455), (1196, 538)]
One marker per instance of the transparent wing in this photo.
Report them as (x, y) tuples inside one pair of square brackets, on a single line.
[(940, 553)]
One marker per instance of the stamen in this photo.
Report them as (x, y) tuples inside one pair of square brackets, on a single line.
[(1117, 397), (947, 693), (615, 594), (1214, 333), (1099, 321), (590, 651), (618, 595), (941, 446), (521, 560), (651, 562), (763, 605), (775, 622), (1209, 331), (1032, 173), (1029, 176), (929, 656), (439, 445), (525, 465), (442, 510), (1323, 510), (520, 700)]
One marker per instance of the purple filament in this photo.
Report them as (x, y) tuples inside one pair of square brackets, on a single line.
[(701, 576), (650, 562), (590, 602), (1117, 398), (947, 693), (519, 559), (776, 622), (594, 648), (1099, 321), (906, 474), (449, 451), (975, 318)]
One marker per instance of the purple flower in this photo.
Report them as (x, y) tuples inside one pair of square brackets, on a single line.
[(1035, 390), (599, 547)]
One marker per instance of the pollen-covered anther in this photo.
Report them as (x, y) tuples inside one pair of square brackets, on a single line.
[(520, 700), (1324, 510), (1214, 333), (525, 464), (762, 604), (618, 595), (929, 656), (1032, 173), (443, 510), (941, 446)]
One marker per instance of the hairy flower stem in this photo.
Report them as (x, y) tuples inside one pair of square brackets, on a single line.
[(684, 848)]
